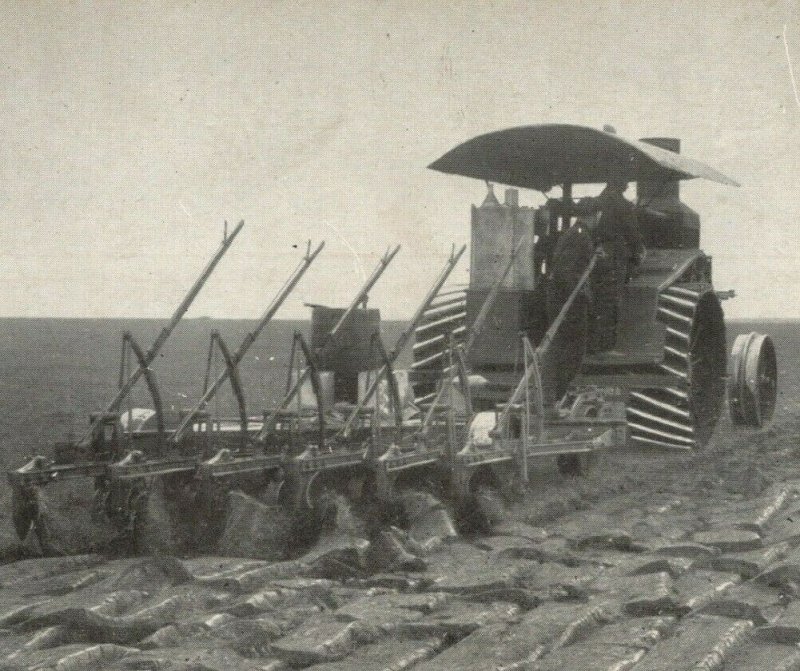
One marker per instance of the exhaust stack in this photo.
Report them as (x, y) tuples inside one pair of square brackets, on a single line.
[(670, 224)]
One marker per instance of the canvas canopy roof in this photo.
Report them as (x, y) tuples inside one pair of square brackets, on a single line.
[(539, 157)]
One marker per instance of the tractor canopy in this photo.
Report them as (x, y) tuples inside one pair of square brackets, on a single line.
[(542, 156)]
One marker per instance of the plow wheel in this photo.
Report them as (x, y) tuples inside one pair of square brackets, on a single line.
[(56, 520), (310, 504), (209, 514), (24, 510), (137, 519), (482, 506), (684, 416), (331, 506), (125, 506), (331, 498), (753, 380), (574, 465), (27, 514), (139, 512)]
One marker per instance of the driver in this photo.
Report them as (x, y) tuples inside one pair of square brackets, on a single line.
[(617, 235), (617, 231)]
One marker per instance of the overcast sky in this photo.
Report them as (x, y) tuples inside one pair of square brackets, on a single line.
[(131, 130)]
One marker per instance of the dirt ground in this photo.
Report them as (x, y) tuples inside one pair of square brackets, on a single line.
[(653, 561)]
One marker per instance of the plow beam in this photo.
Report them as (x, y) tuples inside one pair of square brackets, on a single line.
[(249, 339), (225, 464), (165, 333)]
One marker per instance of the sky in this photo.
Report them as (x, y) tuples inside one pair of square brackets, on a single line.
[(133, 130)]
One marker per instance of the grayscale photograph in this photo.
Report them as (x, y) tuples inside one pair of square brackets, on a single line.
[(374, 335)]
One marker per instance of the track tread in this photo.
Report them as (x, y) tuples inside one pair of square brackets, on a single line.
[(664, 417)]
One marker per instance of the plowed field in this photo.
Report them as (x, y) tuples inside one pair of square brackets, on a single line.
[(653, 561)]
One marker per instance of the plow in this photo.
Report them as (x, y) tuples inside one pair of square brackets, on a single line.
[(535, 358)]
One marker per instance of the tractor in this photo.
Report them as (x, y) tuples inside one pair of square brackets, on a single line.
[(553, 349)]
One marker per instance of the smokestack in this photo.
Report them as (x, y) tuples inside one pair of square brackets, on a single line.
[(682, 229)]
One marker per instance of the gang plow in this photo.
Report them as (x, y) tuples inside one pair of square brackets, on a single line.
[(530, 360)]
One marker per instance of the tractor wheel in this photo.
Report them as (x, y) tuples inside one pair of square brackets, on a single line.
[(683, 416), (753, 380)]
